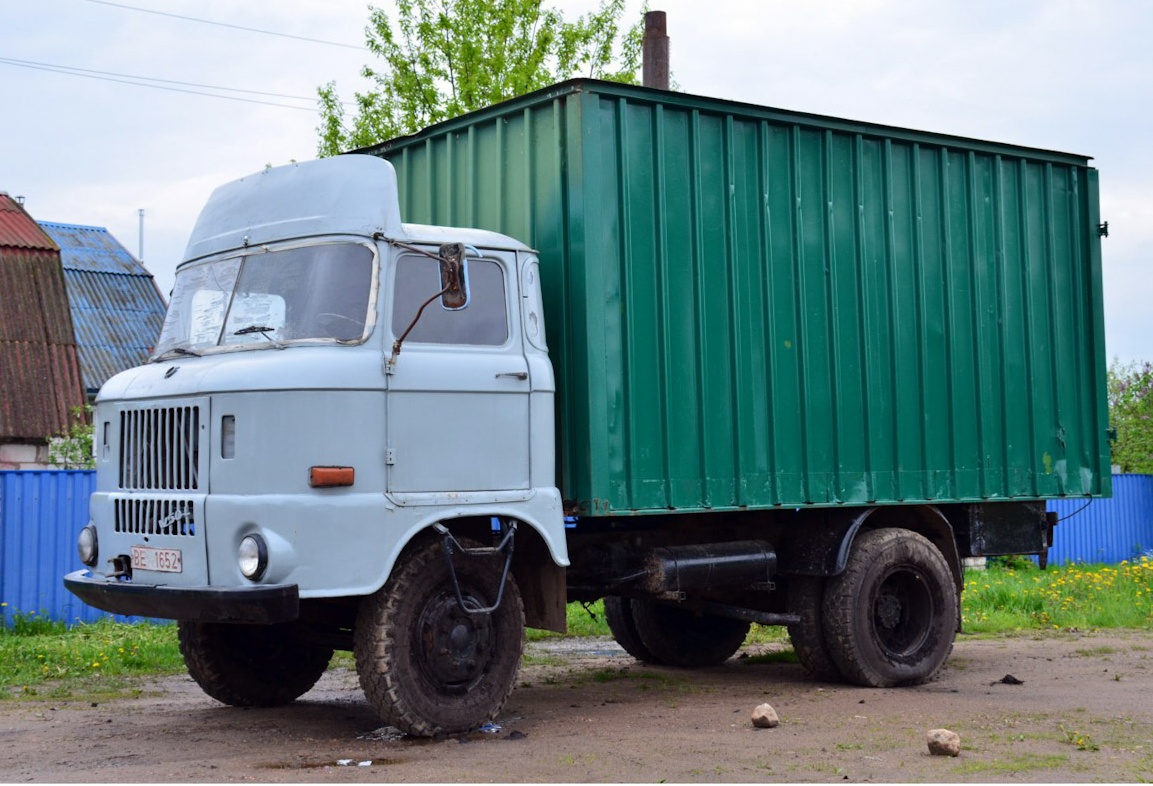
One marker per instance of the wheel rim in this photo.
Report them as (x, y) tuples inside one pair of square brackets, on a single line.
[(454, 647), (903, 612)]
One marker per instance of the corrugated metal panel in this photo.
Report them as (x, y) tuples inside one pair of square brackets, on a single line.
[(1105, 530), (751, 308), (40, 516), (117, 319), (92, 248), (39, 371), (116, 309), (18, 230)]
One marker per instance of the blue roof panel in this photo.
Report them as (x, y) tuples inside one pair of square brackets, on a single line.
[(92, 248), (117, 311)]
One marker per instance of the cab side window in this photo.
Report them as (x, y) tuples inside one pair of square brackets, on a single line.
[(483, 321)]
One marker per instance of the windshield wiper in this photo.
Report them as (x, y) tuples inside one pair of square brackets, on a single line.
[(263, 330), (175, 351)]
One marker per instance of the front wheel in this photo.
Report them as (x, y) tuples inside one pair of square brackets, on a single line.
[(426, 665), (890, 617), (251, 665)]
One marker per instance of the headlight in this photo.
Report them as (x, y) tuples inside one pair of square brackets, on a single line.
[(87, 546), (252, 557)]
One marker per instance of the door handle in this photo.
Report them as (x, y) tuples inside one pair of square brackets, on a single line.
[(513, 374)]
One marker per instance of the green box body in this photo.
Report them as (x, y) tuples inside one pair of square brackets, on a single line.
[(751, 308)]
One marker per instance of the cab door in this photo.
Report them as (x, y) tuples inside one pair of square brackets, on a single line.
[(458, 398)]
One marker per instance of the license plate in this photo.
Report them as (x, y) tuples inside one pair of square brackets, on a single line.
[(162, 560)]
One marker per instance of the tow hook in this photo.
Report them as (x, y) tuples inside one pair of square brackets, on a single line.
[(121, 567), (451, 544)]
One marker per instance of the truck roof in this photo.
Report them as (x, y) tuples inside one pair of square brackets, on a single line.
[(481, 238), (353, 195)]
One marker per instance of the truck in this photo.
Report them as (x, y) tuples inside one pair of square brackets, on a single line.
[(716, 364)]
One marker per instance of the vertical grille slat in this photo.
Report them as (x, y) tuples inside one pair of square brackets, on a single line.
[(160, 449), (156, 517)]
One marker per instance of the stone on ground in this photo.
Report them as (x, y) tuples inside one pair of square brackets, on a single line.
[(765, 717), (943, 742)]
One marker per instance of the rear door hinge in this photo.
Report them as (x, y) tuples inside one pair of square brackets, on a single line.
[(389, 456)]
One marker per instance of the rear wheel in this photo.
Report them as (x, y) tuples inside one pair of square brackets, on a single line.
[(426, 665), (678, 637), (619, 616), (806, 596), (890, 617), (251, 665)]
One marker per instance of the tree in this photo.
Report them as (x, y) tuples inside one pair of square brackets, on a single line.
[(1131, 414), (443, 58), (72, 447)]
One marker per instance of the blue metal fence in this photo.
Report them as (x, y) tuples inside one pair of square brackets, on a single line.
[(40, 514), (1105, 530)]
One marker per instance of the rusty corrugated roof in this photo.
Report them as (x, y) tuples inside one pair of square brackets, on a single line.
[(39, 369), (18, 230), (117, 310)]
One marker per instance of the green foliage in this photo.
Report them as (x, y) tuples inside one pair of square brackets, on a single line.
[(1131, 414), (442, 58), (1012, 562), (582, 621), (1073, 596), (72, 448), (88, 659)]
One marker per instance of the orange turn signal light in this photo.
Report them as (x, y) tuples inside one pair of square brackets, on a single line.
[(328, 477)]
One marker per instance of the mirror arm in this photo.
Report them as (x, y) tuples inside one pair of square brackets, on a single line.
[(451, 258), (396, 344)]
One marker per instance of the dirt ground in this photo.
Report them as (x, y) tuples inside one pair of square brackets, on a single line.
[(585, 711)]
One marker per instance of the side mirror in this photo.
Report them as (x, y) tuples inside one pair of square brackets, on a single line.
[(454, 292)]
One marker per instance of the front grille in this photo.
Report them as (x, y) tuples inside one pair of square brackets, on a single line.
[(156, 516), (160, 449)]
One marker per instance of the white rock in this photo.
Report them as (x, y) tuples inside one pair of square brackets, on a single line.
[(765, 717), (943, 742)]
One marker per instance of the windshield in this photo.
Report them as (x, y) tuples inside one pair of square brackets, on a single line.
[(270, 298)]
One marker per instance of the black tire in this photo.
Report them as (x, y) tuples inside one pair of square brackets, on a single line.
[(619, 616), (890, 617), (426, 666), (678, 637), (251, 665), (806, 597)]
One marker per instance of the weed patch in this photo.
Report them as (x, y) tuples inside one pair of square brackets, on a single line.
[(43, 658), (1023, 763)]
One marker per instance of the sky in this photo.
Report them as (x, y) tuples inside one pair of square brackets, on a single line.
[(1068, 75)]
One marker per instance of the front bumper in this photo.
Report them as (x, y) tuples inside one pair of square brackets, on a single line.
[(262, 605)]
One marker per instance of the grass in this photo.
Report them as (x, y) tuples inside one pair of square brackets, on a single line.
[(583, 620), (1004, 600), (1013, 764), (40, 657)]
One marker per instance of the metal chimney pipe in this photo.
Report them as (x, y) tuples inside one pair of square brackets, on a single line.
[(655, 71)]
